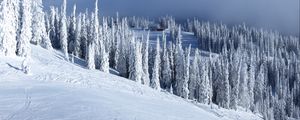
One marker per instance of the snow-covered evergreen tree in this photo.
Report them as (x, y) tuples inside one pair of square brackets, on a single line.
[(165, 65), (64, 30), (77, 43), (132, 60), (23, 46), (39, 33), (101, 54), (91, 46), (122, 60), (145, 53), (204, 87), (116, 47), (251, 80), (95, 33), (244, 98), (258, 89), (72, 31), (84, 36), (186, 73), (52, 28), (104, 57), (194, 76), (155, 81), (113, 43), (172, 64), (90, 56), (223, 92), (37, 16), (56, 42), (179, 67), (234, 77), (9, 18), (135, 62)]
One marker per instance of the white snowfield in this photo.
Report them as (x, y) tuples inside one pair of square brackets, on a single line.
[(60, 90)]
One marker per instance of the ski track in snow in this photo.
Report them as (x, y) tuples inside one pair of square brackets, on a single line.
[(23, 109)]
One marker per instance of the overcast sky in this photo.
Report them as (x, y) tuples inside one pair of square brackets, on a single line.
[(282, 15)]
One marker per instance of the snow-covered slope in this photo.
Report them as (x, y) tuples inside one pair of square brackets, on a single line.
[(57, 89)]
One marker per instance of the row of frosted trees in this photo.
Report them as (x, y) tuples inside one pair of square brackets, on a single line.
[(22, 22), (256, 69)]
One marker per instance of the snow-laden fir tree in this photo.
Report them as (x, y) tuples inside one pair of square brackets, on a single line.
[(116, 46), (122, 60), (104, 57), (57, 43), (139, 61), (77, 43), (145, 54), (103, 53), (64, 30), (222, 80), (47, 24), (186, 72), (113, 43), (106, 35), (15, 11), (39, 33), (210, 72), (37, 24), (52, 28), (2, 25), (165, 65), (95, 30), (135, 61), (179, 67), (132, 60), (90, 56), (155, 81), (194, 76), (234, 77), (117, 50), (84, 37), (251, 79), (172, 64), (226, 85), (91, 44), (23, 45), (204, 86), (9, 18), (72, 31), (244, 97)]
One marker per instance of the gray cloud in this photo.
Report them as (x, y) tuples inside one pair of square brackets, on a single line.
[(281, 15)]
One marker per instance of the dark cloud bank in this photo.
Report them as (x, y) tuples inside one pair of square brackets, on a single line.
[(280, 15)]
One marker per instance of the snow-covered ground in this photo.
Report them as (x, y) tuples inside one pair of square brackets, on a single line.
[(60, 90), (188, 38)]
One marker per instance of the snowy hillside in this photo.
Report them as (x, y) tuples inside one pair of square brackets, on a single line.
[(57, 89)]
